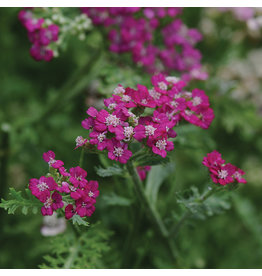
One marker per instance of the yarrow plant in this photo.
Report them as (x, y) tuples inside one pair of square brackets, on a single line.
[(135, 30), (64, 189), (49, 28), (135, 129), (145, 115)]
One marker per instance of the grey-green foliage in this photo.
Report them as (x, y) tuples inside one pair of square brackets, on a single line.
[(110, 171), (77, 220), (151, 159), (155, 179), (113, 199), (199, 209), (85, 251), (17, 200)]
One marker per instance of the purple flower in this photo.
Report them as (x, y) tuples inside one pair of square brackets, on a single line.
[(118, 151), (49, 157)]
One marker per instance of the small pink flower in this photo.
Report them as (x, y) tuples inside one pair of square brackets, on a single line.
[(77, 177), (41, 187), (69, 211), (49, 34), (118, 151), (39, 52), (84, 209), (49, 157)]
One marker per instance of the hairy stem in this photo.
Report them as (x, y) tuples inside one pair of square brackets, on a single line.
[(149, 209)]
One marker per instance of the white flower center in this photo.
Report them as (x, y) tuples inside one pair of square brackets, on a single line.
[(48, 203), (111, 106), (188, 112), (154, 94), (222, 174), (144, 101), (51, 161), (237, 175), (128, 132), (172, 79), (42, 186), (112, 120), (118, 151), (174, 104), (197, 101), (79, 140), (119, 90), (162, 85), (90, 194), (126, 98), (101, 137), (150, 130), (161, 144)]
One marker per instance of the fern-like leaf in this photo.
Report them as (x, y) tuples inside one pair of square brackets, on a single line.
[(85, 251), (17, 200)]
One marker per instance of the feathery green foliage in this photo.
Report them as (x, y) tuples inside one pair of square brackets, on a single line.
[(17, 200)]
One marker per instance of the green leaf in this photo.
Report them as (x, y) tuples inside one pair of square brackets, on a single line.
[(213, 205), (113, 199), (84, 251), (17, 200), (110, 171), (151, 160), (155, 178), (77, 220)]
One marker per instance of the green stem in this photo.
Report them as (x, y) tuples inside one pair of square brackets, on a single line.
[(4, 156), (150, 210), (81, 160)]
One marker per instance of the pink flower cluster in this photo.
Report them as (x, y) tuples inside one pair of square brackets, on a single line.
[(39, 34), (164, 105), (155, 38), (80, 195), (220, 172)]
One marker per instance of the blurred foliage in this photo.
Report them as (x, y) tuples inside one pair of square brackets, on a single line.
[(41, 108)]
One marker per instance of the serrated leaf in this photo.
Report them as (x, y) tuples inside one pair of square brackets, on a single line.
[(155, 178), (77, 220), (110, 171), (113, 199), (17, 200)]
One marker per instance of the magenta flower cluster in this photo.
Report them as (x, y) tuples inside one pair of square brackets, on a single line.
[(62, 188), (157, 40), (163, 106), (40, 35), (220, 172)]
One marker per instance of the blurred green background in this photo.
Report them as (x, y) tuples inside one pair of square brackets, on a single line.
[(42, 106)]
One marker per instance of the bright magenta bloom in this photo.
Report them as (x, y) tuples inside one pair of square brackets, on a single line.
[(220, 172)]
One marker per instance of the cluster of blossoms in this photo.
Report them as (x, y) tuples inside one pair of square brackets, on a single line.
[(220, 172), (48, 28), (163, 106), (156, 39), (61, 188)]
